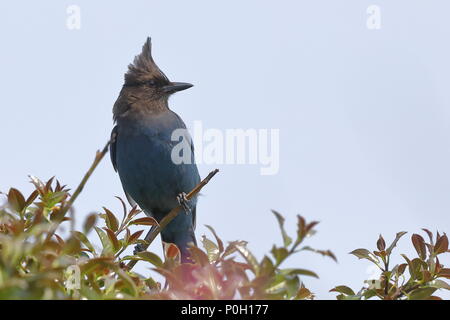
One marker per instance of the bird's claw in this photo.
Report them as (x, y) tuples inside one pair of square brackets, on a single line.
[(184, 202), (138, 248)]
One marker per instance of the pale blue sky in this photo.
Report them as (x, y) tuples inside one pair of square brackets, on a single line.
[(363, 114)]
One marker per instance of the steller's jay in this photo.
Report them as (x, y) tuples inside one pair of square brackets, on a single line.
[(142, 147)]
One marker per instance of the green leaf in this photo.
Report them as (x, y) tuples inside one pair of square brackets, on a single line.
[(128, 281), (421, 293), (219, 241), (266, 267), (231, 248), (279, 254), (80, 236), (440, 284), (364, 254), (247, 255), (286, 239), (285, 286), (151, 257), (302, 272), (343, 289), (211, 249), (106, 243)]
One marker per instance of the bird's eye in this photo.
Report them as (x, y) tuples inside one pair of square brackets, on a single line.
[(151, 82)]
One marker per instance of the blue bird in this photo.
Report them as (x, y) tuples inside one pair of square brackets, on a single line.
[(141, 151)]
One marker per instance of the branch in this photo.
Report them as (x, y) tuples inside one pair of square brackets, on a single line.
[(171, 215)]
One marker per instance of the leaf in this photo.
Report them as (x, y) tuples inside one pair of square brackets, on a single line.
[(325, 253), (48, 185), (445, 273), (218, 240), (150, 257), (31, 198), (146, 221), (401, 268), (279, 254), (394, 243), (343, 289), (302, 272), (231, 247), (171, 251), (419, 245), (415, 266), (421, 293), (199, 256), (89, 222), (112, 237), (106, 243), (284, 286), (211, 249), (248, 256), (301, 229), (266, 267), (96, 264), (363, 254), (124, 208), (440, 284), (128, 281), (40, 187), (16, 200), (430, 235), (381, 244), (441, 245), (286, 239), (303, 293), (81, 237), (133, 238), (111, 220)]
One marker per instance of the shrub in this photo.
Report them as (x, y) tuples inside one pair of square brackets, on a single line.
[(423, 277), (38, 262)]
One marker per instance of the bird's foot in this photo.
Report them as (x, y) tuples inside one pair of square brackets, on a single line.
[(184, 202), (138, 248)]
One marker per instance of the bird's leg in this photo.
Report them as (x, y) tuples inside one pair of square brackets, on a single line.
[(184, 202)]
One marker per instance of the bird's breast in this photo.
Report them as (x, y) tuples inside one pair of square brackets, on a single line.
[(146, 169)]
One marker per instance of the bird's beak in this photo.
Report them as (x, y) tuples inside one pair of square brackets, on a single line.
[(176, 86)]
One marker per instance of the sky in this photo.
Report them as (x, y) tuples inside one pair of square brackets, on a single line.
[(362, 108)]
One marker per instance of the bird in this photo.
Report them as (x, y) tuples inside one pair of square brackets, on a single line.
[(141, 148)]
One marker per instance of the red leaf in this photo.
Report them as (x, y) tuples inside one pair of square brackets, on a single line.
[(146, 221), (441, 244), (419, 245)]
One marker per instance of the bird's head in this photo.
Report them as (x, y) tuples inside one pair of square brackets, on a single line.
[(143, 74)]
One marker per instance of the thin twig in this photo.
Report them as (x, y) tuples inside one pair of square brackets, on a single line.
[(98, 158), (171, 215)]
